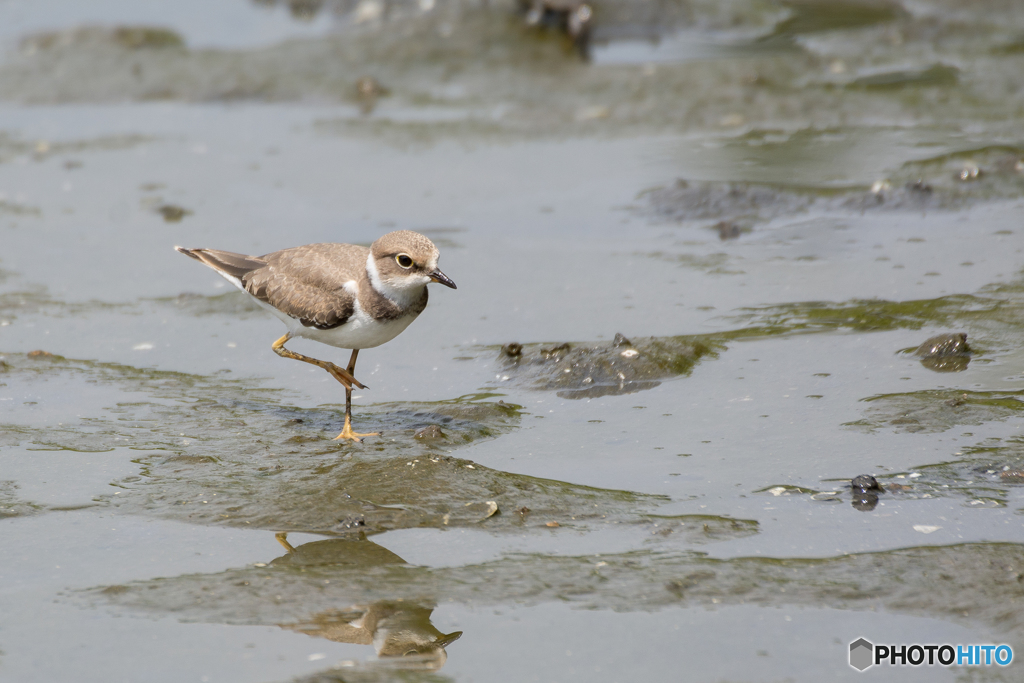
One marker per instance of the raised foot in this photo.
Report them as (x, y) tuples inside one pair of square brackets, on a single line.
[(344, 376)]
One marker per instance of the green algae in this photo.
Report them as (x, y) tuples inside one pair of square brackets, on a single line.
[(867, 315), (216, 451), (519, 81), (11, 505), (938, 410), (948, 181)]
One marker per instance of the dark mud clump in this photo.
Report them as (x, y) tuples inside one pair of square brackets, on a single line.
[(865, 490), (589, 371), (945, 352), (863, 483)]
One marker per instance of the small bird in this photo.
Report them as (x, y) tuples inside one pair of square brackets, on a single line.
[(344, 295)]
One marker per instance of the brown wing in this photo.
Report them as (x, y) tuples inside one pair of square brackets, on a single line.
[(308, 282)]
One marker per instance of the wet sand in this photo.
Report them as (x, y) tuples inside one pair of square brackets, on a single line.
[(695, 278)]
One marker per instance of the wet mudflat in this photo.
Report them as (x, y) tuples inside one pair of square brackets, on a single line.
[(708, 273)]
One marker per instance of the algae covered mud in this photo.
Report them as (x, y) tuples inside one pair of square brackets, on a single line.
[(715, 261)]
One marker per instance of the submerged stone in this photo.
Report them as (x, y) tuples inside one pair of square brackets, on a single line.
[(942, 345), (864, 482), (945, 352)]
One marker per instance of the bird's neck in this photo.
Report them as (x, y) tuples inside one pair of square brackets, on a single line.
[(403, 297)]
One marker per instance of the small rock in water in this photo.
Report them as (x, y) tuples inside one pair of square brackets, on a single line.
[(950, 344), (39, 353), (1012, 476), (865, 492), (945, 352), (512, 349), (620, 340), (430, 432), (864, 482)]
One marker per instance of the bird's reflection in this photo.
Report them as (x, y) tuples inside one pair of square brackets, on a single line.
[(400, 631)]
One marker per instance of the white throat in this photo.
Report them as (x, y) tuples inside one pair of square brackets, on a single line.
[(403, 296)]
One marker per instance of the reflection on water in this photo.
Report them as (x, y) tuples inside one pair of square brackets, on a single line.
[(400, 631)]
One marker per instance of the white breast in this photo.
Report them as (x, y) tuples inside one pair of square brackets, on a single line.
[(360, 332)]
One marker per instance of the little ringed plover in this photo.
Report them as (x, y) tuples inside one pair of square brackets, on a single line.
[(343, 295)]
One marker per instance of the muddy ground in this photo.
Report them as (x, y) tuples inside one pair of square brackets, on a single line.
[(715, 260)]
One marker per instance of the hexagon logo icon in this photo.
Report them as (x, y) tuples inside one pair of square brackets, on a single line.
[(862, 654)]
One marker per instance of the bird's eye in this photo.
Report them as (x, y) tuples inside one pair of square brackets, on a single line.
[(404, 260)]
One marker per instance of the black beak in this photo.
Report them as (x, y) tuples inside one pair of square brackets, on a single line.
[(438, 276)]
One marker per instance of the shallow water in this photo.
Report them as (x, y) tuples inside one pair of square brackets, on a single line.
[(716, 244)]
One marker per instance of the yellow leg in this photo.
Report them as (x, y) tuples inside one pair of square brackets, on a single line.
[(340, 374), (343, 375), (282, 538), (346, 432)]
